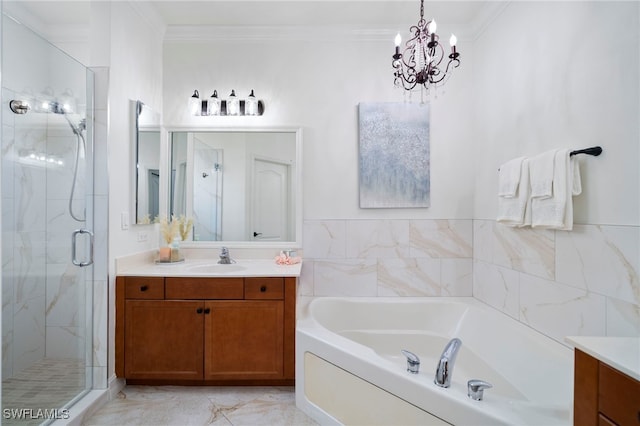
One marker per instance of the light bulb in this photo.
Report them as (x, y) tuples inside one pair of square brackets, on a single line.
[(233, 104), (251, 105), (398, 40), (213, 105), (432, 27), (453, 40)]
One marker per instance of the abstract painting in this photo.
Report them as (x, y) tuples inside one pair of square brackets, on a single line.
[(394, 155)]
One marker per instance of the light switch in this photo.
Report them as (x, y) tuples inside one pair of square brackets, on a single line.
[(124, 221)]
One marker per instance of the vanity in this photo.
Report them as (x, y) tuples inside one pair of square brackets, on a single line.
[(201, 323), (606, 380)]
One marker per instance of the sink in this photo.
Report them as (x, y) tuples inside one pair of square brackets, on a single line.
[(215, 268)]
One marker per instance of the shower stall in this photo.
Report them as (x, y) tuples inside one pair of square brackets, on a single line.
[(47, 228)]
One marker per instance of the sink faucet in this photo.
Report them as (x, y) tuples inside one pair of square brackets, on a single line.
[(447, 361), (225, 259)]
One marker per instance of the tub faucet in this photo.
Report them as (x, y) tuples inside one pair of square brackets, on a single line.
[(225, 259), (447, 361)]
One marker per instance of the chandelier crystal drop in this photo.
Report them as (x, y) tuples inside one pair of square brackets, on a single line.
[(420, 63)]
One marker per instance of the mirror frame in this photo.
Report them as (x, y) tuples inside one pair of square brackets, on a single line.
[(137, 107), (297, 243)]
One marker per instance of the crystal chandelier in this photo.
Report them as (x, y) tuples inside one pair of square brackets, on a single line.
[(420, 63)]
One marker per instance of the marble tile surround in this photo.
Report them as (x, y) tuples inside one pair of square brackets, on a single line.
[(387, 258), (583, 282)]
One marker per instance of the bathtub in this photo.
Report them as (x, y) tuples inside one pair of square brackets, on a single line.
[(349, 368)]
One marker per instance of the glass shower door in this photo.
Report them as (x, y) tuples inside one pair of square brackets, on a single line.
[(47, 218)]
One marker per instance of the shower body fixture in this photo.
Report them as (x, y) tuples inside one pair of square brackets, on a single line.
[(22, 107)]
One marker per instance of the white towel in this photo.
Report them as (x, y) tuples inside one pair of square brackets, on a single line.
[(556, 212), (509, 177), (541, 170), (511, 211)]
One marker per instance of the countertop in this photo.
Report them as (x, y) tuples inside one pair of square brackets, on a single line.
[(209, 268), (621, 353)]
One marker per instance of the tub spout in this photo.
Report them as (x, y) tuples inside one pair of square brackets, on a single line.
[(447, 361)]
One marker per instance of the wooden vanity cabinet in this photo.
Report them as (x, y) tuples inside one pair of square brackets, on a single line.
[(603, 395), (189, 330)]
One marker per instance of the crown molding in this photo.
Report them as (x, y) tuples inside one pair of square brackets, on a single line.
[(202, 33)]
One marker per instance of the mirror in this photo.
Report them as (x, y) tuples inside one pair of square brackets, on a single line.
[(238, 185), (147, 163)]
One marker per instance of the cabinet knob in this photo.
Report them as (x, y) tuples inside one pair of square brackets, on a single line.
[(199, 310), (144, 288), (263, 288), (207, 310)]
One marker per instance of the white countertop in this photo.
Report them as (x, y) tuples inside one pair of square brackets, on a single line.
[(621, 353), (209, 268)]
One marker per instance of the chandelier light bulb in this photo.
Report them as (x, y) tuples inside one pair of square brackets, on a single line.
[(453, 40), (398, 40), (432, 27)]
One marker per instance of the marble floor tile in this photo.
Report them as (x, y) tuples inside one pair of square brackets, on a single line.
[(201, 405)]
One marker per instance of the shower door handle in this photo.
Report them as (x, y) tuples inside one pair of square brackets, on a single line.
[(74, 237)]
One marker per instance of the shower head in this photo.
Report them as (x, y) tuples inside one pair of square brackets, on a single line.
[(77, 130)]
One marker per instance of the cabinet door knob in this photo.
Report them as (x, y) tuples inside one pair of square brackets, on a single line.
[(199, 310), (207, 310), (263, 288), (144, 288)]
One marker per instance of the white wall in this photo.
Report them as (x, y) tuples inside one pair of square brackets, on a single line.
[(566, 76), (129, 42), (553, 75), (317, 84)]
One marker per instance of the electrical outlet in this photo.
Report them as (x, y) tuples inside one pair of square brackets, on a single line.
[(124, 221), (142, 237)]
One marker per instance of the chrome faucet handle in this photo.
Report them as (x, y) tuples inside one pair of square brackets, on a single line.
[(476, 387), (413, 362)]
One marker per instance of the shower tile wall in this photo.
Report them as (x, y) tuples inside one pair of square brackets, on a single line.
[(583, 282), (31, 305)]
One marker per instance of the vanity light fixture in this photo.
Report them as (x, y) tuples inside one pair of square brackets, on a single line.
[(230, 106), (420, 62)]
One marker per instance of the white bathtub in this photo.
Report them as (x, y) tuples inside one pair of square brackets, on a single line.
[(349, 368)]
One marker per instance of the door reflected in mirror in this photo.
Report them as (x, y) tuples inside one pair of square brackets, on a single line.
[(236, 185)]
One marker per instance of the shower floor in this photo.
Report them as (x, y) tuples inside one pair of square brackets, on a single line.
[(47, 385)]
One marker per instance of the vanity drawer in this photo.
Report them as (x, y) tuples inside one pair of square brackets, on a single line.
[(619, 396), (144, 288), (264, 288), (204, 288)]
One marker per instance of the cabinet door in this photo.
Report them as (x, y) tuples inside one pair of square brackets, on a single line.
[(244, 340), (163, 339)]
